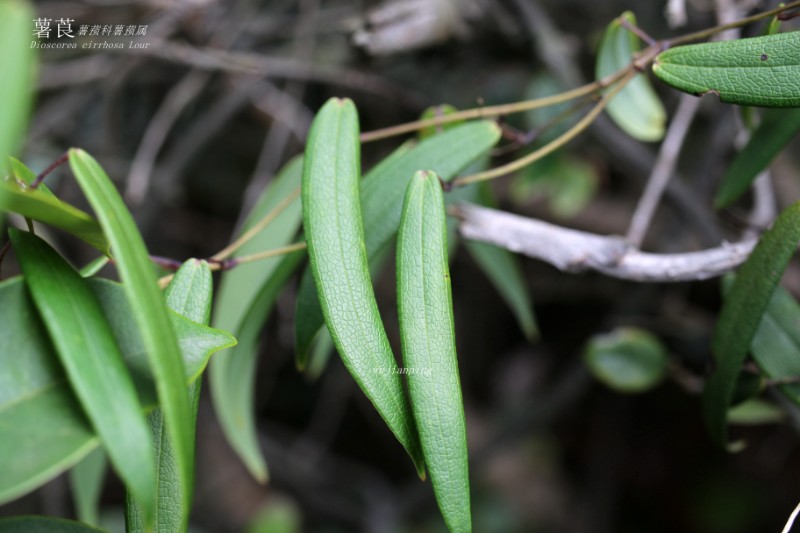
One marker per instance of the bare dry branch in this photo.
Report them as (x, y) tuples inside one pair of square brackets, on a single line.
[(577, 251)]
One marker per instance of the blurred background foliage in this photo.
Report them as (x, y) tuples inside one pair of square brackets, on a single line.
[(194, 125)]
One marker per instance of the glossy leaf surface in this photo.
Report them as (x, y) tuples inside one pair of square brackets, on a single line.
[(36, 403), (147, 304), (43, 430), (42, 206), (89, 354)]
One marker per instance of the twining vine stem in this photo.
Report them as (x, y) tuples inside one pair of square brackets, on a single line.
[(615, 256), (646, 56), (257, 227), (610, 255), (230, 263), (552, 146)]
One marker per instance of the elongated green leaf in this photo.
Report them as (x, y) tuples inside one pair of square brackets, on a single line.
[(24, 176), (755, 412), (760, 71), (335, 237), (447, 154), (43, 430), (86, 484), (776, 344), (382, 192), (427, 332), (189, 293), (742, 313), (42, 206), (44, 524), (505, 272), (308, 315), (777, 128), (92, 360), (308, 319), (197, 341), (18, 65), (637, 108), (319, 355), (243, 306), (147, 303), (93, 267)]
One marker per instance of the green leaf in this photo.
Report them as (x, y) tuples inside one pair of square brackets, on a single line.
[(246, 297), (338, 258), (628, 360), (425, 308), (94, 266), (40, 205), (382, 193), (91, 359), (435, 112), (277, 516), (18, 65), (43, 430), (189, 294), (447, 154), (777, 128), (234, 381), (24, 176), (320, 355), (44, 524), (637, 110), (147, 303), (308, 319), (742, 313), (504, 272), (776, 344), (755, 412), (197, 341), (760, 71), (86, 483)]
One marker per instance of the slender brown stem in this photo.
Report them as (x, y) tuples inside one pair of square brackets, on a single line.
[(3, 252), (266, 254), (63, 158), (524, 138), (702, 34), (567, 136), (496, 110), (215, 265)]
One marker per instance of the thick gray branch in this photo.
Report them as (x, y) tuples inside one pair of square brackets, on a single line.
[(576, 251)]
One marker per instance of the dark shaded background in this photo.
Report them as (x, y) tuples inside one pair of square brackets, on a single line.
[(192, 135)]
